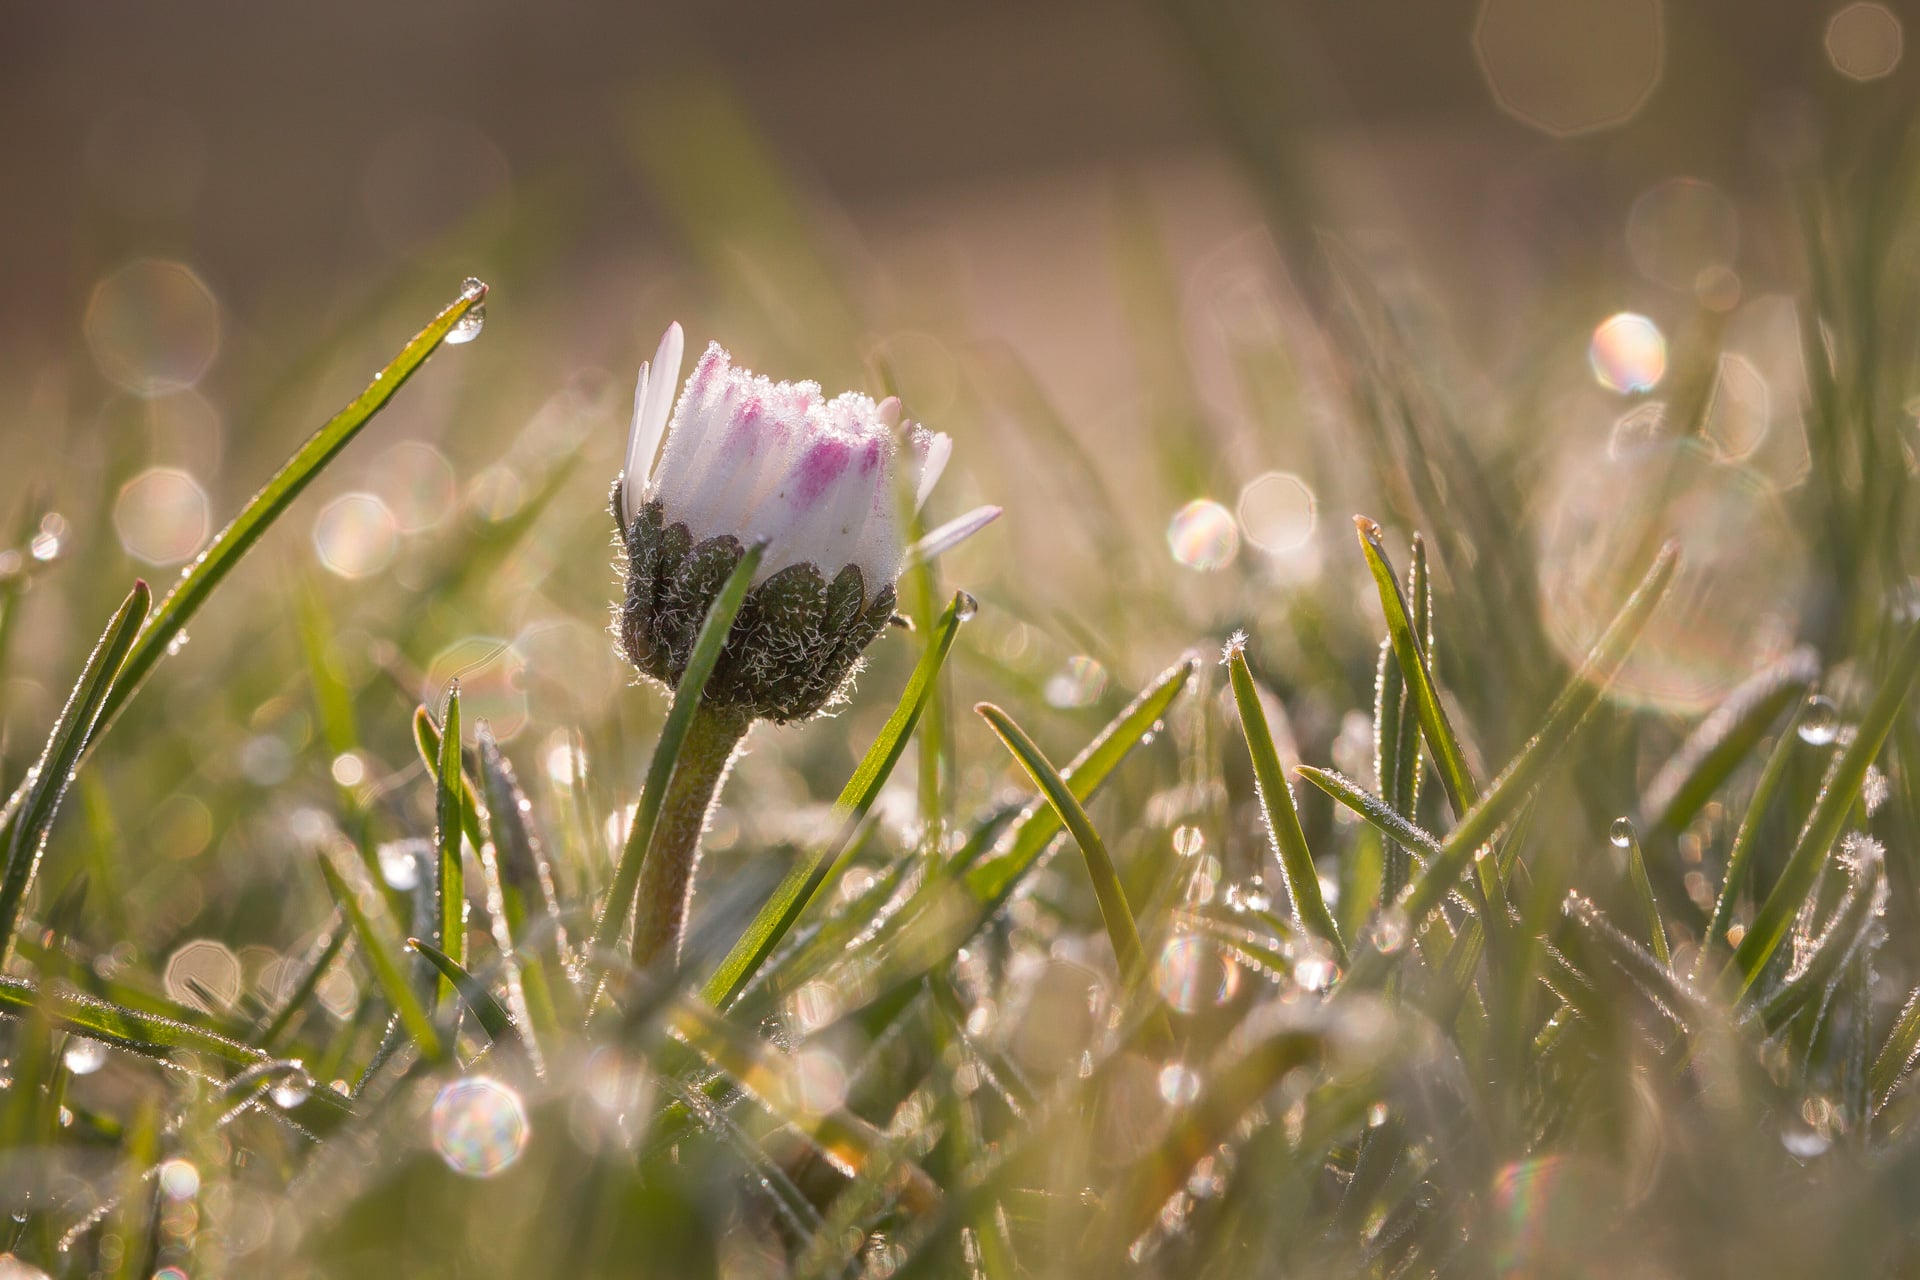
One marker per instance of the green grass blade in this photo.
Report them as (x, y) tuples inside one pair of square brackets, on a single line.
[(385, 964), (1409, 650), (1504, 798), (1744, 839), (1114, 910), (309, 982), (1276, 800), (450, 877), (992, 879), (232, 543), (1398, 754), (1376, 811), (1643, 891), (32, 818), (426, 737), (706, 654), (1725, 738), (491, 1013), (803, 881), (1775, 916), (527, 921)]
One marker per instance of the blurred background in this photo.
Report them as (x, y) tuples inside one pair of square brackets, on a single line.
[(1188, 283)]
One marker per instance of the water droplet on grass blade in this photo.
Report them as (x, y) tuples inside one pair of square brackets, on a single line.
[(1620, 834), (1820, 722), (84, 1057), (965, 606), (468, 326)]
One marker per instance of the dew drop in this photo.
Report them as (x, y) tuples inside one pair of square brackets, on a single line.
[(1388, 932), (1820, 722), (1179, 1084), (468, 326), (1621, 833), (964, 605), (292, 1090), (84, 1057)]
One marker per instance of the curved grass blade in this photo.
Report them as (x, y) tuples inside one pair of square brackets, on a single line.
[(232, 543), (1744, 839), (385, 965), (450, 877), (1114, 911), (706, 654), (1721, 741), (803, 881), (992, 879), (1569, 709), (1276, 801), (1775, 916), (46, 785), (493, 1016)]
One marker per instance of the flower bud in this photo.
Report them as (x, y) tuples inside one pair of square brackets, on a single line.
[(823, 483)]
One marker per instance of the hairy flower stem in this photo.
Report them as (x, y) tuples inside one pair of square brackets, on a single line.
[(666, 878)]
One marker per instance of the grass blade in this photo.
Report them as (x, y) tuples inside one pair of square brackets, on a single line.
[(450, 877), (1114, 911), (232, 543), (1410, 652), (1643, 890), (993, 879), (1579, 697), (1775, 916), (426, 737), (491, 1013), (32, 817), (1276, 801), (1721, 741), (1744, 839), (386, 966), (706, 654), (797, 889), (1376, 811)]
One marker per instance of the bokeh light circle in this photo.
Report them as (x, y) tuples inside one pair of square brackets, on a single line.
[(204, 974), (1203, 536), (1194, 973), (1569, 67), (153, 327), (1277, 511), (1628, 353), (1865, 41), (355, 535), (478, 1125), (1742, 568), (162, 516)]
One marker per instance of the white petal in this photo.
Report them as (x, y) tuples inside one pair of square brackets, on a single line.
[(950, 535), (939, 449), (652, 402)]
